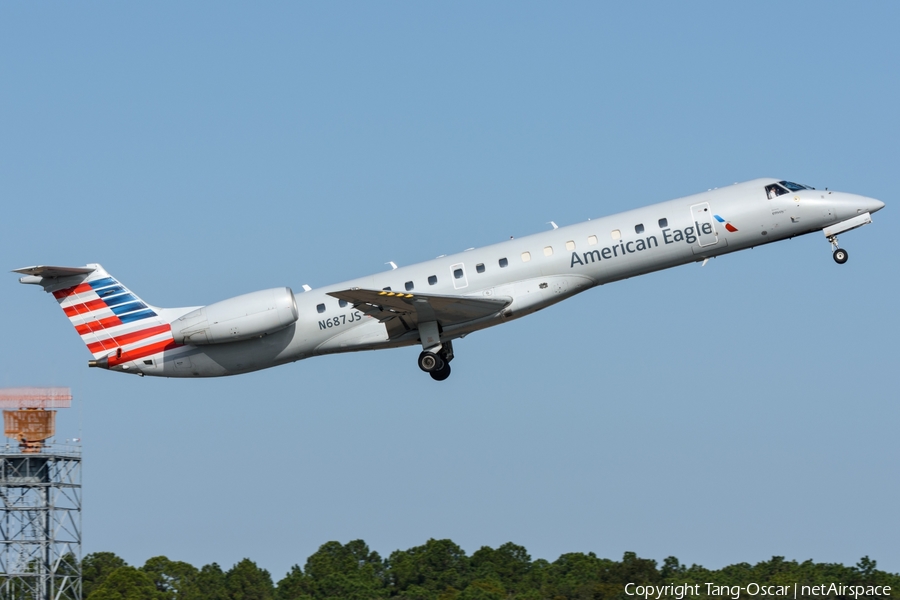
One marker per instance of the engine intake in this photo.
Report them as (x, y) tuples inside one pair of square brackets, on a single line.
[(239, 318)]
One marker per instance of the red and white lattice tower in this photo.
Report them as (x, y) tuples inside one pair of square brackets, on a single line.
[(40, 485)]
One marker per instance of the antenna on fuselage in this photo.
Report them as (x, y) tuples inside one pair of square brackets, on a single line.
[(555, 226), (306, 288), (392, 263)]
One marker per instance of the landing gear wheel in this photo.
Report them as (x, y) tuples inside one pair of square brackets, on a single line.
[(840, 256), (441, 374), (430, 362)]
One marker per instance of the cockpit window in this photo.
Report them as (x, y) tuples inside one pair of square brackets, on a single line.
[(774, 190), (794, 187)]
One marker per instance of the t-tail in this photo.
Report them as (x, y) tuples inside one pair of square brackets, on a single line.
[(116, 325)]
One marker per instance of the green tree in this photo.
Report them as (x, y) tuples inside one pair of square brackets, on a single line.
[(415, 592), (211, 582), (349, 572), (510, 564), (484, 589), (96, 567), (578, 575), (440, 570), (638, 570), (671, 568), (508, 567), (126, 583), (293, 586), (175, 579), (866, 567), (246, 581), (438, 566)]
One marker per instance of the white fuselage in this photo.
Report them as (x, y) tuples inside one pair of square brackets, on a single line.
[(534, 272)]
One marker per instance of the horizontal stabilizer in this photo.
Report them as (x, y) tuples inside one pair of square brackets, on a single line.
[(47, 271)]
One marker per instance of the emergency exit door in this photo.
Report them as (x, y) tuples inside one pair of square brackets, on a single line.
[(704, 224)]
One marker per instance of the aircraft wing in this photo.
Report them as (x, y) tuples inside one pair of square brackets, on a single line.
[(402, 312)]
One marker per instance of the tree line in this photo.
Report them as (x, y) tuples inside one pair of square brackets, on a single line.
[(441, 570)]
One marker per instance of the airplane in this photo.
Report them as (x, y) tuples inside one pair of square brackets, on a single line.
[(438, 301)]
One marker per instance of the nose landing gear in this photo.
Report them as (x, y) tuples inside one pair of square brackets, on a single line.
[(840, 255)]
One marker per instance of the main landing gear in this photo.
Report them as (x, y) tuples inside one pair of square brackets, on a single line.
[(436, 355), (437, 364), (840, 255)]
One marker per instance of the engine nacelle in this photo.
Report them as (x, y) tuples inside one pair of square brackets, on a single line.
[(239, 318)]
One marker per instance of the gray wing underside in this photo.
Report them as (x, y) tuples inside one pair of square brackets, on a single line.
[(402, 312)]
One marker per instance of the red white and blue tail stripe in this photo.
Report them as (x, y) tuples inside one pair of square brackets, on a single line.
[(114, 323)]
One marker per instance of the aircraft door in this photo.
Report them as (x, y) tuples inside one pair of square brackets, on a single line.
[(704, 224), (458, 274)]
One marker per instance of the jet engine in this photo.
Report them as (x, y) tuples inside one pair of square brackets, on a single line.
[(239, 318)]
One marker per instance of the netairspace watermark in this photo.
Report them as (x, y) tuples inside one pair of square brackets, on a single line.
[(795, 591)]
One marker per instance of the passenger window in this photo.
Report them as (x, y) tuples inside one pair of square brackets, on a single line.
[(616, 234), (548, 250), (480, 267), (342, 303), (457, 273), (592, 240), (639, 228), (774, 190), (503, 263), (432, 279), (526, 256), (320, 308), (570, 245), (387, 289), (409, 285), (663, 223)]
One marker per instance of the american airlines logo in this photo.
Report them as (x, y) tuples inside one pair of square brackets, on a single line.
[(728, 225)]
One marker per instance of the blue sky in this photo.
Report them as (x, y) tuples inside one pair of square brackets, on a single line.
[(719, 414)]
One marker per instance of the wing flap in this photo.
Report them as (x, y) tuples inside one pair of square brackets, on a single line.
[(410, 309)]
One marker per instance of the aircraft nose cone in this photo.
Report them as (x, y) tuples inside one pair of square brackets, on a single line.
[(851, 205)]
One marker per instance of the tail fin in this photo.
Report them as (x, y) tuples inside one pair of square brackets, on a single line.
[(115, 325)]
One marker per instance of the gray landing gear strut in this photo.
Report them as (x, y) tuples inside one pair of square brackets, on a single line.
[(436, 356), (840, 255), (831, 232)]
